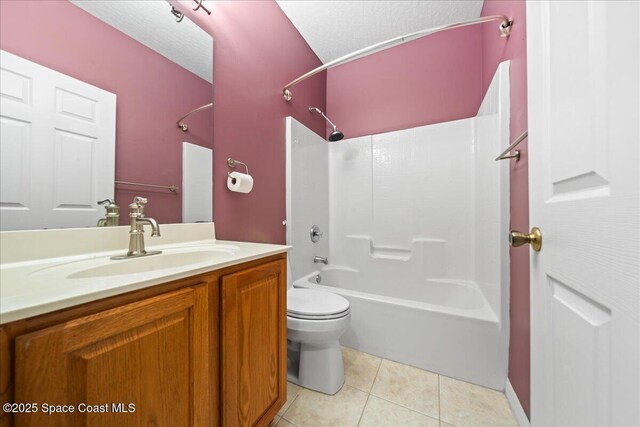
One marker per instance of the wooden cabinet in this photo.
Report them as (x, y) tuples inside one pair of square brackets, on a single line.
[(254, 352), (151, 354), (204, 351)]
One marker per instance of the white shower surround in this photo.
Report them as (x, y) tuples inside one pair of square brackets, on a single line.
[(417, 240)]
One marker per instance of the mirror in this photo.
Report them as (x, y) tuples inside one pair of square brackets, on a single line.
[(91, 94)]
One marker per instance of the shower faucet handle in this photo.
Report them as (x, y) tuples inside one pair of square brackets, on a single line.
[(315, 233)]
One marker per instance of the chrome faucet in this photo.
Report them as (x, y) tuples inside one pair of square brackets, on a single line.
[(112, 216), (320, 260), (136, 233)]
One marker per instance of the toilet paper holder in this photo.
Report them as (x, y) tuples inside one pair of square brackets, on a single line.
[(233, 163)]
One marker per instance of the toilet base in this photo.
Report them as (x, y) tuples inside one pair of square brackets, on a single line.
[(317, 367)]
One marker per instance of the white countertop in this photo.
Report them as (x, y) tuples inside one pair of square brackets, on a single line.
[(32, 287)]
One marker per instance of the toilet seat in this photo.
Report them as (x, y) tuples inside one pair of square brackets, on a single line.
[(315, 322), (316, 317), (312, 304)]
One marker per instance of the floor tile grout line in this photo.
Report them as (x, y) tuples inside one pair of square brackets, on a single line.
[(289, 407), (363, 409), (424, 370), (382, 359), (281, 418), (375, 377), (399, 404), (405, 407), (369, 392), (467, 382), (484, 389), (294, 425), (362, 352), (439, 402)]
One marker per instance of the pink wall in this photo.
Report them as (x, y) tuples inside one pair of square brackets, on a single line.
[(256, 51), (152, 92), (430, 80), (495, 50)]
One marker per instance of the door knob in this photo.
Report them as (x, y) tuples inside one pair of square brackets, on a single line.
[(534, 238)]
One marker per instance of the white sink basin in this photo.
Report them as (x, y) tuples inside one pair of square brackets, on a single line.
[(65, 268), (105, 267), (148, 263)]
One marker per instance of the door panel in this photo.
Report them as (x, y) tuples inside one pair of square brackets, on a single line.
[(577, 77), (584, 137), (253, 344), (15, 166), (581, 370), (74, 163)]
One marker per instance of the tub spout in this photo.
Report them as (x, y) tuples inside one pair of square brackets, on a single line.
[(320, 260)]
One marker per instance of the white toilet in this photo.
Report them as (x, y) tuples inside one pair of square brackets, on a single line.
[(315, 322)]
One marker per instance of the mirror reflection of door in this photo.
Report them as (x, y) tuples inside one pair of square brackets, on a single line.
[(58, 147), (97, 107)]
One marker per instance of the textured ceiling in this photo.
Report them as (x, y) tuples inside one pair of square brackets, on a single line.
[(152, 24), (335, 28)]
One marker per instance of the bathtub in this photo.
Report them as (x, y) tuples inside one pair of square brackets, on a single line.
[(444, 326)]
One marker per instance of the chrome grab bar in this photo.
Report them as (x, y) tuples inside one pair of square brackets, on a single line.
[(171, 188)]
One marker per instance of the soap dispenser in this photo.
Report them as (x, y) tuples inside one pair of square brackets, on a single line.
[(112, 217)]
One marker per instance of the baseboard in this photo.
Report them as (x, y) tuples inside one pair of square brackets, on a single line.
[(515, 405)]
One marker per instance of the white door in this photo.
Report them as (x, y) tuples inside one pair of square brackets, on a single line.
[(57, 147), (584, 138), (197, 183)]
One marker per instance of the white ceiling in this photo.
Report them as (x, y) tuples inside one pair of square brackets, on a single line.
[(152, 24), (335, 28)]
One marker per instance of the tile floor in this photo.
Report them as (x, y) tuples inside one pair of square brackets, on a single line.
[(379, 392)]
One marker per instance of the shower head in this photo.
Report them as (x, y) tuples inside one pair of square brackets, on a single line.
[(335, 135)]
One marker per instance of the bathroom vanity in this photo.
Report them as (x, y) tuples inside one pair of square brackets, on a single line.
[(189, 340)]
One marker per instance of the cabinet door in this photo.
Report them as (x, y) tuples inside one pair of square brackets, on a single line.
[(254, 344), (152, 354)]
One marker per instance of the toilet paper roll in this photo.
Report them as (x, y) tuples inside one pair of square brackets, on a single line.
[(239, 182)]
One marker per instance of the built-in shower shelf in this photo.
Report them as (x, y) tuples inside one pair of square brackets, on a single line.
[(392, 252)]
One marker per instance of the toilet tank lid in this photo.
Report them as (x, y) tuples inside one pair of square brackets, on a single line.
[(312, 301)]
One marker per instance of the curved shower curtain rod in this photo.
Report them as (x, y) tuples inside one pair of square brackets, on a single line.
[(184, 126), (505, 29)]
